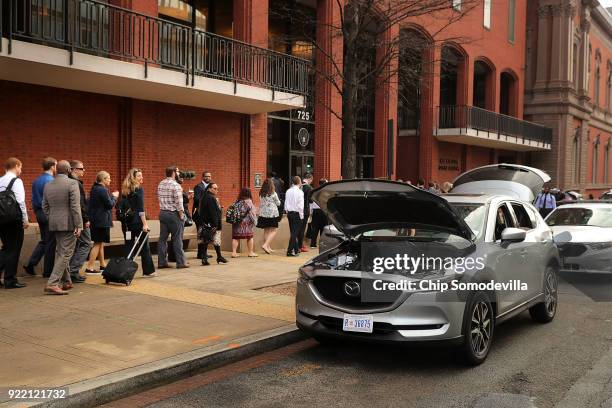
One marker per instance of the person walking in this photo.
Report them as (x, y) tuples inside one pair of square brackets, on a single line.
[(62, 206), (210, 219), (198, 193), (545, 202), (46, 246), (294, 206), (83, 243), (306, 189), (268, 213), (100, 208), (11, 230), (132, 191), (244, 229), (171, 220), (319, 219)]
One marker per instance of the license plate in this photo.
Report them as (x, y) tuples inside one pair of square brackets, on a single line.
[(358, 323)]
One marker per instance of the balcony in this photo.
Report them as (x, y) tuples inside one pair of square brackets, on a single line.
[(479, 127), (87, 45)]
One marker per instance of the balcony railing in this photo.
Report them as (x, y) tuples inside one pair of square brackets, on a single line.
[(101, 29), (471, 117)]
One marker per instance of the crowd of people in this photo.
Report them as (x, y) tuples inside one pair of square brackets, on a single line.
[(75, 227)]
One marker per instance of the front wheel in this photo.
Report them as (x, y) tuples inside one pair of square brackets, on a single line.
[(478, 326), (545, 312)]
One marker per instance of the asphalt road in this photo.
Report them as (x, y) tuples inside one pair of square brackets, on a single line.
[(530, 365)]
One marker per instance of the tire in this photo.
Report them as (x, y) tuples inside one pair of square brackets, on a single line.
[(545, 312), (478, 328)]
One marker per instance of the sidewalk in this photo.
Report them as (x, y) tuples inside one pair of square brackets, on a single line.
[(100, 329)]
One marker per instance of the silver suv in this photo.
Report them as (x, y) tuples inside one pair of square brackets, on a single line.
[(342, 294)]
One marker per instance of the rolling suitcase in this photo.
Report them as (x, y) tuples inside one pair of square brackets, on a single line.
[(122, 270)]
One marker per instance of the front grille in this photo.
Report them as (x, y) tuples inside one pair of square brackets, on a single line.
[(331, 288)]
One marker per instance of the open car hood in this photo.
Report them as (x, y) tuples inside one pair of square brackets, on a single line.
[(514, 180), (356, 206)]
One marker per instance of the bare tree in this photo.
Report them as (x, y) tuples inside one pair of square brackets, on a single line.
[(368, 54)]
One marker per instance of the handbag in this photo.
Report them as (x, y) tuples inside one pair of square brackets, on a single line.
[(206, 233)]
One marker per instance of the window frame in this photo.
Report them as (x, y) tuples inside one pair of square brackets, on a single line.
[(487, 13), (511, 21)]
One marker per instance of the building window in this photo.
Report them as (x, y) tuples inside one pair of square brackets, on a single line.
[(457, 5), (575, 65), (595, 159), (511, 18), (608, 88), (487, 14), (597, 83), (576, 155), (607, 161)]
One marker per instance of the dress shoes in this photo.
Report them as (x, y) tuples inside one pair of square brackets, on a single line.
[(54, 290), (78, 279), (182, 266), (14, 285), (29, 269), (163, 267), (67, 286)]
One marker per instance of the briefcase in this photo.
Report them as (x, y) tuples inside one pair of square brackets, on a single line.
[(122, 270)]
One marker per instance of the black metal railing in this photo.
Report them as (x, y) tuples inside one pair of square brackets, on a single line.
[(97, 28), (497, 125)]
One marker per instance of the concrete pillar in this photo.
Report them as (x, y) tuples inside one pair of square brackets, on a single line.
[(251, 26), (386, 107), (328, 128)]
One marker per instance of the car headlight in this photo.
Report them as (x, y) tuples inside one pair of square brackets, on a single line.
[(306, 271)]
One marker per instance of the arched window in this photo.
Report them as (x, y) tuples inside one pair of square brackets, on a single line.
[(576, 154), (607, 161), (595, 159), (597, 90)]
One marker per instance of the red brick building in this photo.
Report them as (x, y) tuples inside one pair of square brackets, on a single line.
[(206, 85), (569, 85)]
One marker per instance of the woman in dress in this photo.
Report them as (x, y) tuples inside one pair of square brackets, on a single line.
[(101, 203), (131, 190), (268, 213), (244, 229)]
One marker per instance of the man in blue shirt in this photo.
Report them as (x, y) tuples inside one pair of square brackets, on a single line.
[(46, 245), (545, 202)]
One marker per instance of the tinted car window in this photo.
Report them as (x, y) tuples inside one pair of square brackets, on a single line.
[(595, 217), (522, 217), (503, 220)]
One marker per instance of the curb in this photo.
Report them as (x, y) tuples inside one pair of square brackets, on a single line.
[(113, 386)]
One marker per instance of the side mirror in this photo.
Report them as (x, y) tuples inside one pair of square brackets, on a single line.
[(513, 235)]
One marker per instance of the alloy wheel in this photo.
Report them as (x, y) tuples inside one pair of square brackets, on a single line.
[(480, 328), (550, 293)]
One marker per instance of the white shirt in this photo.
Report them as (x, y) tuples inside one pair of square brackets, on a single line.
[(294, 200), (18, 190)]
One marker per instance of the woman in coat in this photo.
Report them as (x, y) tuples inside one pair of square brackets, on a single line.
[(209, 212), (101, 203), (268, 213), (131, 190), (244, 229)]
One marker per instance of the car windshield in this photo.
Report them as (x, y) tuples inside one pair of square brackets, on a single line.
[(594, 217), (473, 215)]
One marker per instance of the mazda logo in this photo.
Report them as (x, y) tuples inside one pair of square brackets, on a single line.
[(352, 288)]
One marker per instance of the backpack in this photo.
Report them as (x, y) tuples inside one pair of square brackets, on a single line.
[(124, 211), (235, 213), (10, 212)]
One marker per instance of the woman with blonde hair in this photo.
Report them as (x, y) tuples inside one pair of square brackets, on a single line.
[(101, 203), (135, 220)]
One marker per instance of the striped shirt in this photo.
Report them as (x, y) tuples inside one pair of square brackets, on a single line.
[(170, 195)]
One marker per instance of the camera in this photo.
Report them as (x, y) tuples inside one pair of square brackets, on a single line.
[(186, 174)]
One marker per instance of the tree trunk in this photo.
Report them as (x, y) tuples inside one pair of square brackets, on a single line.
[(349, 125)]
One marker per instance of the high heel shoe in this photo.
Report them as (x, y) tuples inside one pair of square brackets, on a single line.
[(221, 260)]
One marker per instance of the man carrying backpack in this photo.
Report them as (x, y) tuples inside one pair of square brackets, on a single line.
[(13, 220)]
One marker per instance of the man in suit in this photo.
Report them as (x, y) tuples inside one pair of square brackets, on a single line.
[(198, 194), (306, 189), (62, 206)]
